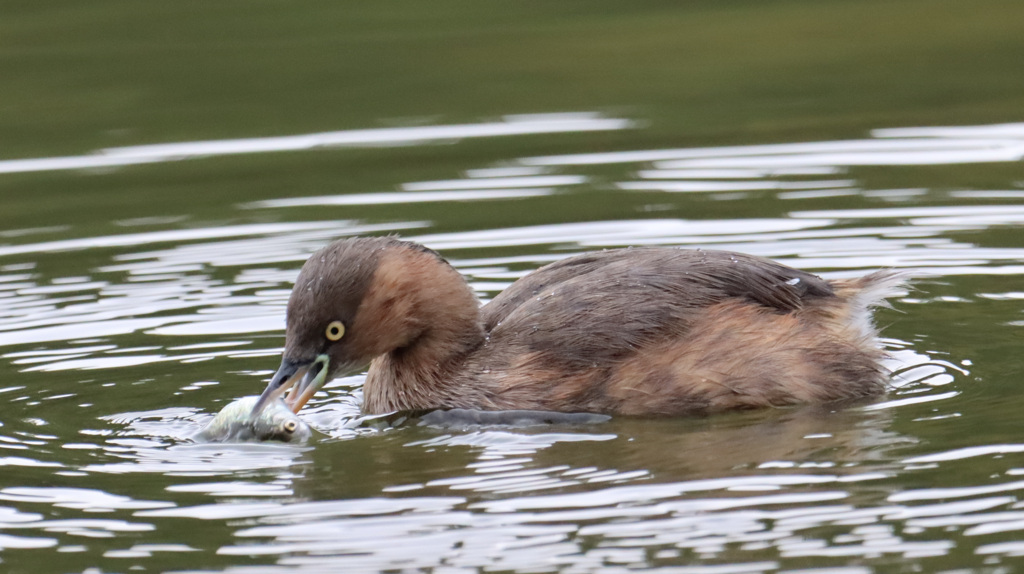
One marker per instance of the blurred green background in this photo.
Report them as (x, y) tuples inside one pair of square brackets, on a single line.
[(79, 76)]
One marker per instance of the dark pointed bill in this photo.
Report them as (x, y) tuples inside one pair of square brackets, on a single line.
[(313, 379), (284, 378), (306, 376)]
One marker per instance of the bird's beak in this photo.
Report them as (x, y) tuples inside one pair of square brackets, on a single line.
[(306, 377)]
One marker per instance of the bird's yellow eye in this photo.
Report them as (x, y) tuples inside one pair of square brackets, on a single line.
[(290, 426), (335, 330)]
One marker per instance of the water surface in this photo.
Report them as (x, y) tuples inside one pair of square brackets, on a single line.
[(152, 228)]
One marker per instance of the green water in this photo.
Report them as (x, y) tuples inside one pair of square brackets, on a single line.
[(142, 289)]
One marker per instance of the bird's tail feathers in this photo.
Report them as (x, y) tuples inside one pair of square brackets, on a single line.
[(870, 291)]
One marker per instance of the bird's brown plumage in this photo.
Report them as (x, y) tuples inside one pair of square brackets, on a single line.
[(649, 331)]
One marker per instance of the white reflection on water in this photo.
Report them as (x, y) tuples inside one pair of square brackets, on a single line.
[(718, 186), (385, 198), (497, 182), (811, 240), (81, 499), (586, 532), (969, 452), (511, 126), (901, 146), (758, 495), (199, 459), (730, 173), (78, 498), (486, 186)]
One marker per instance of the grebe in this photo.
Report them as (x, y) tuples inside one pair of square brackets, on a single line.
[(637, 331)]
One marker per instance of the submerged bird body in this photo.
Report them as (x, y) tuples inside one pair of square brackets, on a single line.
[(649, 331)]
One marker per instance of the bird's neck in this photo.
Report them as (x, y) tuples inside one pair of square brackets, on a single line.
[(422, 373)]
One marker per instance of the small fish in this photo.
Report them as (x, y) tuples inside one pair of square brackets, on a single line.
[(235, 423)]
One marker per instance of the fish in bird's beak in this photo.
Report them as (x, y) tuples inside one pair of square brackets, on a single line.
[(304, 378), (235, 423)]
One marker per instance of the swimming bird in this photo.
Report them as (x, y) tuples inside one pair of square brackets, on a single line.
[(637, 331)]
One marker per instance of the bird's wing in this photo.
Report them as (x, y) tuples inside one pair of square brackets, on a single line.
[(596, 307)]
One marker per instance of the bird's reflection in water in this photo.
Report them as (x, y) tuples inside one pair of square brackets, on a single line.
[(505, 453)]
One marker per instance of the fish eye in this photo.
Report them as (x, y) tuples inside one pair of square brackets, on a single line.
[(335, 331), (290, 426)]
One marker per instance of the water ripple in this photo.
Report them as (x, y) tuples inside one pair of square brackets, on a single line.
[(154, 153), (122, 349)]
